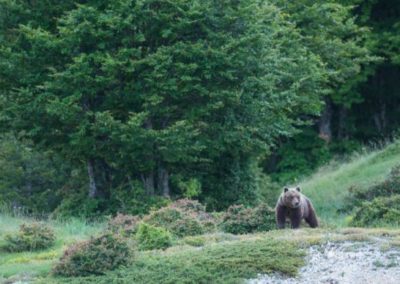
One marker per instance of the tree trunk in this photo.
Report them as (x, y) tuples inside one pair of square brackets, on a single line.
[(163, 181), (148, 178), (380, 118), (342, 133), (383, 115), (92, 180), (106, 185), (325, 121), (148, 183)]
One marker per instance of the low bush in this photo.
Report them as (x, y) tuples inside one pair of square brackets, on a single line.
[(164, 217), (187, 226), (263, 218), (151, 237), (210, 225), (241, 220), (193, 210), (94, 256), (237, 220), (379, 211), (390, 186), (183, 218), (30, 237), (125, 225)]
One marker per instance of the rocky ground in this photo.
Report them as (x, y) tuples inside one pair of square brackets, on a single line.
[(345, 263)]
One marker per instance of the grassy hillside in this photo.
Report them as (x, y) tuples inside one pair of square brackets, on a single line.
[(328, 187)]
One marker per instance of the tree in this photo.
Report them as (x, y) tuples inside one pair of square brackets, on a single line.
[(168, 91), (357, 109)]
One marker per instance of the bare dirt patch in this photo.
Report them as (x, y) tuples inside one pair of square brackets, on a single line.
[(345, 262)]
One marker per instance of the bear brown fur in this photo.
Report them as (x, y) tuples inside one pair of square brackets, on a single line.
[(294, 205)]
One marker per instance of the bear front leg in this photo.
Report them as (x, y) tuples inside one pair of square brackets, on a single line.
[(295, 219), (280, 217)]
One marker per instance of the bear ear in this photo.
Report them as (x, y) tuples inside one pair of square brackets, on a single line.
[(298, 188), (285, 189)]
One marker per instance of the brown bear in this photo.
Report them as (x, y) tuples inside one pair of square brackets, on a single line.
[(294, 205)]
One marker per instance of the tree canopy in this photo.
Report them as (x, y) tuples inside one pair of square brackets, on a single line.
[(152, 98)]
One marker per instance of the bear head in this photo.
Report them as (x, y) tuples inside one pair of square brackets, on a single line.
[(292, 197)]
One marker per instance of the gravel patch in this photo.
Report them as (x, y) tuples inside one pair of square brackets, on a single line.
[(344, 263)]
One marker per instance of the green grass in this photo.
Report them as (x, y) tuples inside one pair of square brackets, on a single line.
[(228, 262), (38, 263), (219, 258), (328, 188)]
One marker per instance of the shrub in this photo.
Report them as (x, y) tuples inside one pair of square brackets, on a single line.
[(236, 220), (123, 224), (209, 225), (241, 220), (187, 226), (263, 218), (30, 237), (164, 217), (78, 205), (194, 210), (94, 256), (151, 237), (390, 186), (381, 210), (181, 219)]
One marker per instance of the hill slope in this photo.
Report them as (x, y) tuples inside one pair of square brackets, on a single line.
[(328, 187)]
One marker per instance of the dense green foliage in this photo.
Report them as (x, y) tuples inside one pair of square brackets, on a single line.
[(95, 256), (377, 204), (150, 237), (138, 100), (241, 220), (390, 186), (183, 217), (380, 211), (30, 237), (30, 179), (363, 106)]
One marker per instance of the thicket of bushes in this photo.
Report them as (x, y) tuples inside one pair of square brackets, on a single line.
[(378, 204), (30, 237), (241, 220), (379, 211), (183, 219), (94, 256), (151, 237)]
